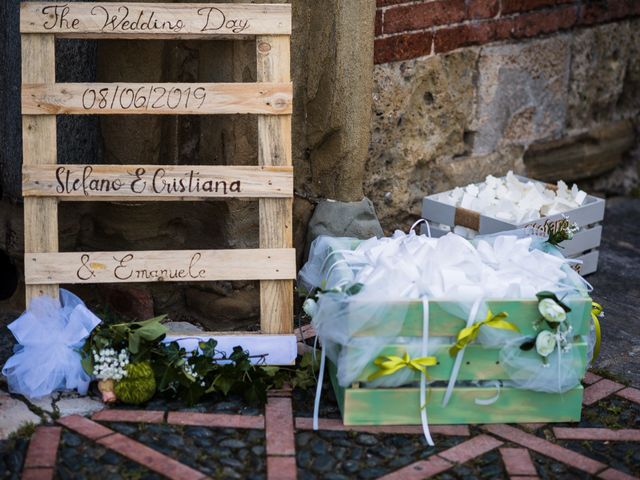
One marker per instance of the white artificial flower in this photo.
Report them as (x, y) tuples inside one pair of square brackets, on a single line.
[(551, 311), (545, 343), (310, 307)]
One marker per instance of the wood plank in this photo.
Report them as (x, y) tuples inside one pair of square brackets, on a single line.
[(159, 266), (279, 349), (156, 98), (39, 147), (151, 182), (154, 20), (480, 363), (401, 406), (446, 319), (274, 148)]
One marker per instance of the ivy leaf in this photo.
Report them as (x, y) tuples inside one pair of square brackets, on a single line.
[(87, 364), (528, 345), (354, 289)]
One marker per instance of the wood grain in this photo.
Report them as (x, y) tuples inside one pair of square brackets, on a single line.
[(159, 266), (39, 147), (274, 148), (155, 20), (156, 99), (152, 182)]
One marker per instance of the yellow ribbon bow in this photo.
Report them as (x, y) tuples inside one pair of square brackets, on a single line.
[(596, 311), (469, 334), (390, 364)]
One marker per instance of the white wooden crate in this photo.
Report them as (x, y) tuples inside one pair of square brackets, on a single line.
[(583, 246)]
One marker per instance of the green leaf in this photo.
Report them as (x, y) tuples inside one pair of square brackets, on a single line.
[(528, 345), (87, 364), (354, 289)]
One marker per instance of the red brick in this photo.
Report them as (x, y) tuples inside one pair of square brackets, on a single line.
[(85, 427), (544, 447), (386, 3), (517, 461), (281, 468), (600, 12), (37, 474), (591, 378), (378, 23), (402, 47), (631, 394), (537, 23), (305, 332), (305, 423), (621, 435), (150, 458), (514, 6), (279, 427), (477, 9), (613, 474), (135, 416), (43, 447), (221, 420), (600, 390), (419, 470), (423, 15), (470, 449), (448, 39)]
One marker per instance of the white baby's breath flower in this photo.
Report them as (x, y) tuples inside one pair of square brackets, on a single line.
[(551, 311), (545, 343)]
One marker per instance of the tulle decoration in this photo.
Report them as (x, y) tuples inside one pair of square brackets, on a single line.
[(368, 287), (526, 369), (46, 358)]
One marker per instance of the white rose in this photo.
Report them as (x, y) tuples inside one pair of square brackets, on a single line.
[(545, 343), (310, 307), (551, 311)]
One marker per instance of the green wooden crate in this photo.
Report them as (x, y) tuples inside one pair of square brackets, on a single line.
[(361, 405)]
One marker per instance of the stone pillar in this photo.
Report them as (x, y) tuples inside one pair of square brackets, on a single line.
[(332, 59)]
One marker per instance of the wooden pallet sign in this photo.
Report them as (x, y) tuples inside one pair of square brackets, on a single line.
[(45, 182)]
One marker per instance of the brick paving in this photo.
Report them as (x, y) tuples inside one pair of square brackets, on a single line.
[(516, 445)]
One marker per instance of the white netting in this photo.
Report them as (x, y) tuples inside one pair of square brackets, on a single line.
[(366, 288)]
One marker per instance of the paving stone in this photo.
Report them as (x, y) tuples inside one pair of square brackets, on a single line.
[(517, 461), (13, 415), (74, 404), (279, 427), (43, 447), (85, 427), (546, 448), (600, 390), (136, 416), (632, 394)]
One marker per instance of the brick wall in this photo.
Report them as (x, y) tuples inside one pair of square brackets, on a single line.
[(408, 29)]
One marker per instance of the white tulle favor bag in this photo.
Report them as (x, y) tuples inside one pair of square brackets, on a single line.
[(50, 334)]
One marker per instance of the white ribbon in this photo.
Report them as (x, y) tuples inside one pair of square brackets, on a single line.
[(316, 401), (456, 366), (423, 376)]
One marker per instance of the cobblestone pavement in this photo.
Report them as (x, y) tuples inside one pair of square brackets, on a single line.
[(278, 442), (227, 439)]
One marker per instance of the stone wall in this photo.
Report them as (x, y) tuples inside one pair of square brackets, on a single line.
[(548, 88)]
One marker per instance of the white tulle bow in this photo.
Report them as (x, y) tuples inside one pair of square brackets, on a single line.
[(50, 334)]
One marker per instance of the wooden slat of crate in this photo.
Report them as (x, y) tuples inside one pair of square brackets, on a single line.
[(39, 147), (154, 20), (522, 313), (401, 406), (275, 217), (159, 266), (480, 363), (157, 98), (155, 182), (589, 262)]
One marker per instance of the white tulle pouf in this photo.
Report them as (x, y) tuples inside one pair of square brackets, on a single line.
[(50, 334)]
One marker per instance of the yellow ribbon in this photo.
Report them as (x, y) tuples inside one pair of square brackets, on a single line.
[(469, 334), (390, 364), (596, 311)]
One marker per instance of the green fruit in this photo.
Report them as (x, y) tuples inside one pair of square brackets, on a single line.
[(138, 386)]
